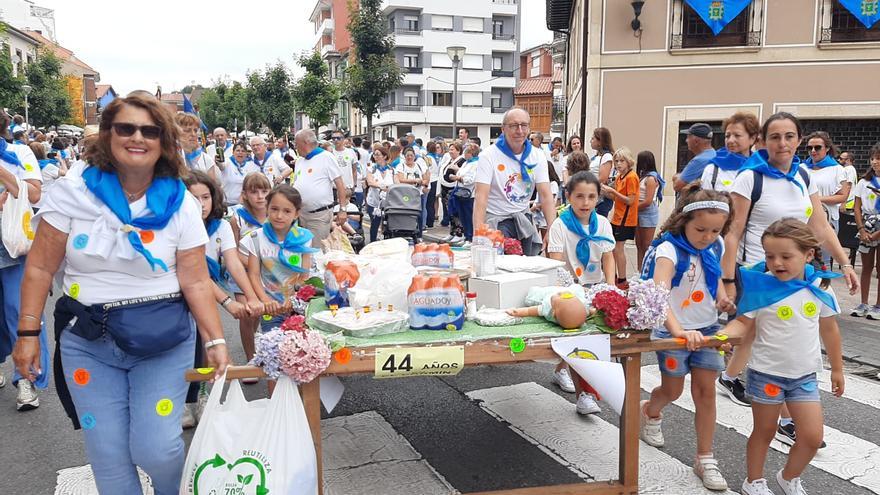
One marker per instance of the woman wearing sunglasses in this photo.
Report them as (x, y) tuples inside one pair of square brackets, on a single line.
[(830, 178), (133, 246)]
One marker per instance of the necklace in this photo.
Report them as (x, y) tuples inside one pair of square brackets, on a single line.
[(135, 195)]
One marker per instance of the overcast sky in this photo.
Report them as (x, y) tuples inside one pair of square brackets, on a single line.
[(173, 43)]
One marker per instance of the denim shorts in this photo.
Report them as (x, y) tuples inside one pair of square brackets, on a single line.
[(272, 322), (679, 362), (649, 217), (764, 388)]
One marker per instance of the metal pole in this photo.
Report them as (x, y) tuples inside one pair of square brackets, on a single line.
[(455, 97), (26, 119)]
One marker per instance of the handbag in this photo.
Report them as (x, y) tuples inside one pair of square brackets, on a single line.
[(142, 326), (17, 232), (462, 193)]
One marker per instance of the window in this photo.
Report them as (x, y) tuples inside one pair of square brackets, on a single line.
[(839, 25), (444, 131), (496, 100), (411, 60), (441, 22), (472, 24), (441, 60), (690, 31), (30, 59), (18, 55), (411, 22), (684, 155), (536, 66), (472, 62), (471, 99), (411, 98), (497, 27), (391, 24), (496, 63), (441, 99), (494, 133), (402, 130)]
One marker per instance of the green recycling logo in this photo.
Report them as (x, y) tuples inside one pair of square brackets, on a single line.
[(243, 484)]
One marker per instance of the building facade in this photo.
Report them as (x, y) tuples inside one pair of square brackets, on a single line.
[(812, 58), (423, 30), (535, 88), (27, 15), (21, 47), (333, 42)]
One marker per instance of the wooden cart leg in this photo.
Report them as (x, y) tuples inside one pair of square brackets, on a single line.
[(311, 397), (629, 425)]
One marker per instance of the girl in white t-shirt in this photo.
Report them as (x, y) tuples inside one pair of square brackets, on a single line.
[(601, 165), (687, 259), (867, 215), (786, 307)]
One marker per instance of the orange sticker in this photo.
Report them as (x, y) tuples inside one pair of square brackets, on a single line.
[(671, 363), (147, 236), (697, 296), (579, 271), (685, 303), (342, 356), (81, 377), (309, 170), (771, 390), (501, 167)]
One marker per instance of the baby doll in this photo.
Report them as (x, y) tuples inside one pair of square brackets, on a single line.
[(565, 306)]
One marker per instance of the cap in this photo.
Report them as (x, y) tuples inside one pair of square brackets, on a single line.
[(700, 130)]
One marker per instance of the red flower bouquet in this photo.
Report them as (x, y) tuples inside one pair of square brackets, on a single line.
[(611, 308), (513, 246)]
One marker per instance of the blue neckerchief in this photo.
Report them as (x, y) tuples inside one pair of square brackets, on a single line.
[(47, 161), (758, 163), (164, 197), (394, 163), (570, 220), (435, 157), (382, 168), (525, 168), (8, 156), (19, 141), (298, 240), (259, 163), (661, 184), (64, 154), (727, 161), (314, 152), (247, 217), (239, 166), (473, 159), (876, 184), (762, 289), (825, 162), (192, 156), (709, 257), (214, 267), (228, 145)]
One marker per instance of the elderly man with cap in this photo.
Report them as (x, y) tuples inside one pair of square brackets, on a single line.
[(317, 173), (507, 174), (271, 164), (699, 142)]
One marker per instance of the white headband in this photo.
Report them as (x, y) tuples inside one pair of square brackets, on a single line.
[(706, 205)]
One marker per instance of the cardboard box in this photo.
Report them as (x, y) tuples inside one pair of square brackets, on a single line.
[(504, 290), (549, 275)]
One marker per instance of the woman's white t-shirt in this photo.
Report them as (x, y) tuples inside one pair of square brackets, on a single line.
[(597, 161), (30, 167), (723, 181), (868, 197), (828, 181), (690, 301), (562, 240), (779, 199), (787, 335), (375, 195), (94, 279)]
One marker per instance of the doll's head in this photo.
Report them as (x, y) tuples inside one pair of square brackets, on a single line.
[(568, 310)]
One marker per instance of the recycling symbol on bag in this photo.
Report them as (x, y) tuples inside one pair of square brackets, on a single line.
[(242, 484)]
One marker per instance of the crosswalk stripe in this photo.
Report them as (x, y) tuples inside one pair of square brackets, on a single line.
[(80, 480), (588, 446), (848, 457), (855, 388)]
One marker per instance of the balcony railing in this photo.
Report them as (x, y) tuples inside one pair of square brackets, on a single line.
[(505, 2), (407, 31), (690, 31), (412, 70), (502, 73), (498, 109), (559, 108), (501, 36), (400, 108)]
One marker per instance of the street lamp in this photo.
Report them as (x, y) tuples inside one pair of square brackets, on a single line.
[(456, 53), (26, 89)]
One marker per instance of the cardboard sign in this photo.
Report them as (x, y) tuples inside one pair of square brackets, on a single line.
[(419, 361)]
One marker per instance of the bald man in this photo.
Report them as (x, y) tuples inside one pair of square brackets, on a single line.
[(317, 174)]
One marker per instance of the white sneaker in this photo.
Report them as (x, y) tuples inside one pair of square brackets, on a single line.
[(563, 379), (447, 238), (706, 468), (27, 397), (456, 240), (650, 430), (466, 245), (189, 419), (757, 487), (860, 311), (873, 313), (2, 380), (792, 487), (587, 404)]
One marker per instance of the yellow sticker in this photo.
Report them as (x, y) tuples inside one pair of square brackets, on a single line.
[(809, 211), (721, 336), (784, 313), (26, 225), (74, 290), (567, 295), (418, 361), (810, 309), (28, 167), (727, 182), (164, 407), (871, 196), (205, 371), (267, 317)]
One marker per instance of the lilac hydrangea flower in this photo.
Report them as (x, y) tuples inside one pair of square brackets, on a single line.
[(649, 304), (266, 354)]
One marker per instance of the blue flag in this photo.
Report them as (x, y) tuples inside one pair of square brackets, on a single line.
[(189, 108), (866, 11), (718, 13)]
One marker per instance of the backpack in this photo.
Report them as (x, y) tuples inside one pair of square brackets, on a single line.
[(682, 264), (757, 189)]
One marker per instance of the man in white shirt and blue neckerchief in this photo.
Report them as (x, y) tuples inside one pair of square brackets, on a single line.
[(221, 140), (316, 174)]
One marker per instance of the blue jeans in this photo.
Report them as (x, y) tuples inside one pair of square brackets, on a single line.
[(423, 219), (375, 224), (121, 409), (10, 291), (359, 199), (678, 362), (765, 388), (466, 214), (431, 204)]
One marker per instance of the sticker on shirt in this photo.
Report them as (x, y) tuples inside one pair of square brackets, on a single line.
[(727, 182), (513, 189), (809, 211), (810, 309), (784, 313)]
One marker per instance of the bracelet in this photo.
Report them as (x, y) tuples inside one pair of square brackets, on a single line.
[(226, 301), (728, 280), (28, 333), (29, 316), (211, 343), (844, 267)]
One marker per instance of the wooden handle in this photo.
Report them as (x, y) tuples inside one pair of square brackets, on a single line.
[(232, 373)]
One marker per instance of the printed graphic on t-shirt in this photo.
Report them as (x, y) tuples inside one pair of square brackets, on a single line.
[(513, 188)]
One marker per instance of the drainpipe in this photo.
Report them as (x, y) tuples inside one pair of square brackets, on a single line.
[(585, 37)]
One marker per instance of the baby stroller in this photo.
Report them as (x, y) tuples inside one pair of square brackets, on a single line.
[(354, 229), (401, 210)]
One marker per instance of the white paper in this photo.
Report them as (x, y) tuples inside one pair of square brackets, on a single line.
[(331, 392), (590, 357)]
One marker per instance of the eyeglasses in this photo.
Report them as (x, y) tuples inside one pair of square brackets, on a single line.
[(337, 138), (523, 126), (128, 130), (818, 147)]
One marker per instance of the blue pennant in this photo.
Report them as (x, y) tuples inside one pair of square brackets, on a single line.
[(718, 13), (866, 11)]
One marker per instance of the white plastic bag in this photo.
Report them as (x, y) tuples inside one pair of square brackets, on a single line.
[(18, 234), (252, 448)]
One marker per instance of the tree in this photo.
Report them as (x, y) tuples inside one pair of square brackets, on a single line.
[(374, 72), (10, 85), (272, 97), (49, 102), (314, 93)]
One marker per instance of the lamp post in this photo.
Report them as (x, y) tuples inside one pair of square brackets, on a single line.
[(26, 89), (456, 53)]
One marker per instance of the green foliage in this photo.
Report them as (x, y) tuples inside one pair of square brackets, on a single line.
[(374, 72), (315, 94), (49, 102), (273, 97), (10, 85)]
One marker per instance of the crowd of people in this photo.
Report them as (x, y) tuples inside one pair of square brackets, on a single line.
[(187, 225)]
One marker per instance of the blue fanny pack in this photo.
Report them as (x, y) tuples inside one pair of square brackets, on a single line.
[(142, 326)]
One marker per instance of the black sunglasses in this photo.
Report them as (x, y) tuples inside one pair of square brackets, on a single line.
[(815, 148), (337, 138), (128, 130)]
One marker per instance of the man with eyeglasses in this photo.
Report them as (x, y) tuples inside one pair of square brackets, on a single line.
[(317, 172), (347, 160), (270, 163), (507, 174)]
